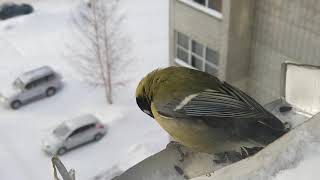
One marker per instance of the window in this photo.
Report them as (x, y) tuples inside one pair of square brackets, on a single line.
[(212, 56), (197, 48), (196, 62), (42, 80), (77, 131), (183, 40), (39, 81), (197, 55), (212, 4), (82, 129), (183, 55), (203, 2), (182, 47), (50, 77), (34, 83), (215, 4), (30, 85), (210, 69)]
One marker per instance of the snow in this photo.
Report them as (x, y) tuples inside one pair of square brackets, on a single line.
[(307, 158), (41, 38), (307, 169)]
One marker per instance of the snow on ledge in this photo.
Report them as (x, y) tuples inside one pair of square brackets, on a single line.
[(211, 12)]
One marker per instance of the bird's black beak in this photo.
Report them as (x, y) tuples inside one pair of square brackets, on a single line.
[(144, 105)]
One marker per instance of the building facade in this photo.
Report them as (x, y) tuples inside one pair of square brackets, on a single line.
[(245, 42)]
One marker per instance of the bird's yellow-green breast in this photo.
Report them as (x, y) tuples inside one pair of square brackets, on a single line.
[(197, 135)]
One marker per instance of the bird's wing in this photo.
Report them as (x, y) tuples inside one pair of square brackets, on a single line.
[(224, 103), (227, 102)]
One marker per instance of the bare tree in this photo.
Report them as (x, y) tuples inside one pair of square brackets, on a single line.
[(102, 57)]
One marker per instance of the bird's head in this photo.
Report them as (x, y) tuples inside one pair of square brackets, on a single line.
[(144, 93)]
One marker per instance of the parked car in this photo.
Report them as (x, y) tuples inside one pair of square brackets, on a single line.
[(41, 82), (73, 133), (9, 10)]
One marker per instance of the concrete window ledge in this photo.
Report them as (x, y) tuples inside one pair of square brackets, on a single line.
[(202, 8)]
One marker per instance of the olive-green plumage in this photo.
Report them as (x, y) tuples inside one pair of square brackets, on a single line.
[(203, 113)]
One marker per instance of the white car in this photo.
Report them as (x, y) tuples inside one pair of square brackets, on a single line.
[(41, 82), (73, 133)]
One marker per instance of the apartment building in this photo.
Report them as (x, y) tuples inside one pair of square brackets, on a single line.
[(245, 42)]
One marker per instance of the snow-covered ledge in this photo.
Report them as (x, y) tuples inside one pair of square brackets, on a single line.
[(197, 6)]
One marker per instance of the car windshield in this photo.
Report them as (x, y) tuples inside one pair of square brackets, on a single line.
[(18, 84), (61, 131)]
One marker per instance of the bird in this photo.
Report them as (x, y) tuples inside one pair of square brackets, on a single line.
[(205, 114)]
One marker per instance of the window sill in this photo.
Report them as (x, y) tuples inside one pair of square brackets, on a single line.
[(182, 63), (202, 8)]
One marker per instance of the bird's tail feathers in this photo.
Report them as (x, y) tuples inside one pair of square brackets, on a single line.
[(267, 130)]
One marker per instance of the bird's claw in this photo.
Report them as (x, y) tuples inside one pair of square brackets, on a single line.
[(182, 154), (180, 172), (228, 156), (246, 152), (179, 148)]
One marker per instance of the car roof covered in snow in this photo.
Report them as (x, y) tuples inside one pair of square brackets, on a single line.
[(36, 74), (81, 121)]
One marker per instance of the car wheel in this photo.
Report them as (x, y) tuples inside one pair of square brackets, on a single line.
[(62, 151), (16, 104), (51, 91), (97, 137)]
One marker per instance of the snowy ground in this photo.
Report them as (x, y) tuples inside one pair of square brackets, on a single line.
[(40, 39)]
